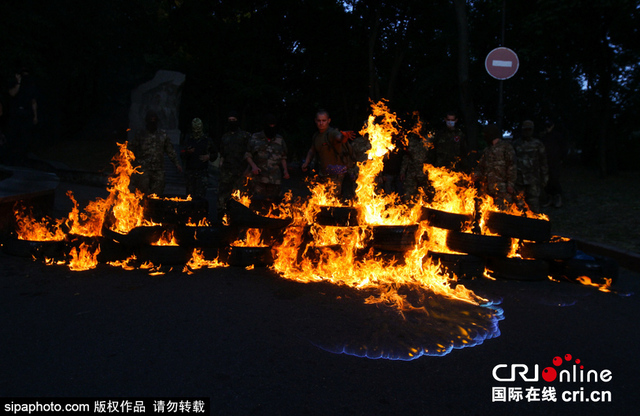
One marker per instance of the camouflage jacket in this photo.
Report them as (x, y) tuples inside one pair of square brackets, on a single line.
[(497, 168), (268, 156), (532, 162), (233, 146), (149, 149), (415, 157), (449, 149), (201, 146)]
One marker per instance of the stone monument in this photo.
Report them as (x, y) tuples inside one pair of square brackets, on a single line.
[(162, 94)]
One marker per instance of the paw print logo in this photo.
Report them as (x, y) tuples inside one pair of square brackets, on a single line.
[(549, 374)]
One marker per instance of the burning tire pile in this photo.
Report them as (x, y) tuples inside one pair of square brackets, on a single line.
[(376, 243)]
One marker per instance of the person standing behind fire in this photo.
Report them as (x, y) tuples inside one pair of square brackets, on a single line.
[(556, 149), (497, 171), (266, 154), (22, 114), (233, 165), (449, 146), (335, 154), (360, 145), (412, 172), (533, 172), (198, 149), (149, 147)]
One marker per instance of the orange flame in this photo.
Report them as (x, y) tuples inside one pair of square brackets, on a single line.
[(604, 287), (198, 261), (83, 258), (166, 239), (253, 238), (27, 228)]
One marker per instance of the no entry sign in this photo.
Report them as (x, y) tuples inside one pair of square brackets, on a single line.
[(502, 63)]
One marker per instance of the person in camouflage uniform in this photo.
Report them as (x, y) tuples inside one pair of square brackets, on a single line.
[(197, 150), (233, 165), (360, 146), (449, 146), (497, 171), (149, 147), (335, 155), (412, 169), (533, 172), (266, 154)]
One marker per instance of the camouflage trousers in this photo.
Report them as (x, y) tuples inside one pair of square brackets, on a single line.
[(229, 182), (335, 181), (150, 182), (503, 200), (265, 191), (196, 182), (413, 182), (532, 193)]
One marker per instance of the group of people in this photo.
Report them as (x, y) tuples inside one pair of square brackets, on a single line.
[(261, 156), (258, 162), (527, 170)]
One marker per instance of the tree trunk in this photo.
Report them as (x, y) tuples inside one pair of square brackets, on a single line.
[(374, 90)]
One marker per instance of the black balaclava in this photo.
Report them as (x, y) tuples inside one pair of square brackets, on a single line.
[(151, 122)]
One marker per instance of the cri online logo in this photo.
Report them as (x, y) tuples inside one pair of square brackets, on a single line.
[(575, 373)]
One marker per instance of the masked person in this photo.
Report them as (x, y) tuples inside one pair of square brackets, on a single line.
[(198, 149), (533, 171), (497, 171), (335, 155), (233, 146), (449, 147), (267, 156), (412, 172), (149, 147)]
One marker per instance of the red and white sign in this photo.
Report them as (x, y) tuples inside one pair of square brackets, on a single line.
[(502, 63)]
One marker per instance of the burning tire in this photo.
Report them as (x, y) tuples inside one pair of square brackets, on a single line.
[(337, 216), (555, 249), (462, 265), (241, 216), (203, 236), (137, 236), (514, 268), (514, 226), (478, 244), (250, 256), (394, 237), (34, 249), (174, 210), (443, 219)]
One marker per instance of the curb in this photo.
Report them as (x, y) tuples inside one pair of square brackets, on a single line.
[(627, 259)]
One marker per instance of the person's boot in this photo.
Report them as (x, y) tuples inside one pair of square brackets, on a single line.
[(557, 201)]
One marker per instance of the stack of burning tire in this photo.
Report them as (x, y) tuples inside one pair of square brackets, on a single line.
[(340, 218), (461, 263), (540, 254), (246, 250), (387, 241)]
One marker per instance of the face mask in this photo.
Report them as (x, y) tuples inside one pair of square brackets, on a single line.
[(270, 132), (450, 123), (152, 126), (233, 125)]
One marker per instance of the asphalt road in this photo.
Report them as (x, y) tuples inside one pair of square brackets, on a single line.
[(257, 344)]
